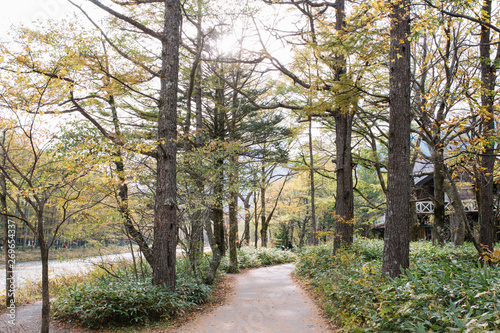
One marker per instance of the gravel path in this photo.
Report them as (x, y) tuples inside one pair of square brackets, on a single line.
[(28, 319), (264, 300)]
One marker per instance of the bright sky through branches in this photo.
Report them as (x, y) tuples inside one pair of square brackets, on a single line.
[(27, 11)]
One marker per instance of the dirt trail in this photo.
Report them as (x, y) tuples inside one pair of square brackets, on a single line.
[(264, 300), (28, 319)]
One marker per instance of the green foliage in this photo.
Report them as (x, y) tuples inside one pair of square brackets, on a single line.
[(442, 295), (251, 257), (124, 300), (443, 291)]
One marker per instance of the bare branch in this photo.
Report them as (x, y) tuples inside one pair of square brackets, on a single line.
[(467, 17), (124, 18)]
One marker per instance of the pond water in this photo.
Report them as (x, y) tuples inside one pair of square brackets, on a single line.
[(31, 271)]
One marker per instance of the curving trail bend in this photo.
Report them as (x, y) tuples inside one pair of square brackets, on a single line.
[(265, 300)]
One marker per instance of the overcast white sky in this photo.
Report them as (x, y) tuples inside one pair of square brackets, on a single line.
[(26, 11)]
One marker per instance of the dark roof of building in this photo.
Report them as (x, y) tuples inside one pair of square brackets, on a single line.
[(422, 172)]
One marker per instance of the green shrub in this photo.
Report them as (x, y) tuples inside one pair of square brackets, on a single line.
[(348, 282), (369, 249), (443, 291), (250, 257), (122, 300), (442, 296)]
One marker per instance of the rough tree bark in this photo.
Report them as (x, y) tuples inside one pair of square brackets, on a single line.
[(248, 216), (438, 198), (263, 226), (488, 78), (218, 206), (396, 239), (233, 231), (256, 217), (165, 215), (9, 268), (233, 180), (344, 205), (314, 227)]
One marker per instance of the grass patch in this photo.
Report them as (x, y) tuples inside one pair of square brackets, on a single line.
[(444, 290)]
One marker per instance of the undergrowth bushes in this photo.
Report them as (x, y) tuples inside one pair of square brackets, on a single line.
[(109, 301), (29, 289), (250, 257), (444, 290), (123, 298)]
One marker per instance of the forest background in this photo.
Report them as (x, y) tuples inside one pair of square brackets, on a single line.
[(261, 122)]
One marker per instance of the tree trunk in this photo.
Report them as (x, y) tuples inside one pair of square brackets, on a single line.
[(302, 234), (488, 78), (197, 240), (414, 222), (165, 216), (256, 216), (266, 220), (233, 231), (396, 238), (9, 262), (195, 237), (344, 204), (451, 188), (196, 243), (44, 254), (439, 200), (45, 290), (218, 222), (233, 180), (123, 196), (263, 226), (314, 232), (291, 228), (248, 217), (457, 229), (216, 255), (123, 207), (217, 210)]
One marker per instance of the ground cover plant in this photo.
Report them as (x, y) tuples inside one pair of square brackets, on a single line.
[(122, 297), (251, 257), (444, 290)]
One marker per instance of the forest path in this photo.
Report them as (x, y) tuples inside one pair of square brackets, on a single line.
[(263, 300)]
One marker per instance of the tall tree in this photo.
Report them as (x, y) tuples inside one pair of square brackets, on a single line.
[(487, 234), (9, 260), (437, 97), (47, 181), (314, 224), (396, 238), (344, 206), (488, 65), (165, 217)]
